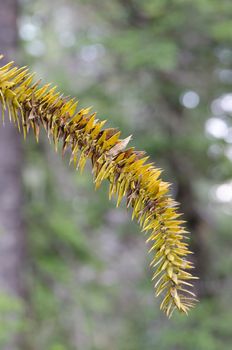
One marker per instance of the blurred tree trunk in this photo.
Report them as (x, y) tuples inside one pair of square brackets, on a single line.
[(12, 233)]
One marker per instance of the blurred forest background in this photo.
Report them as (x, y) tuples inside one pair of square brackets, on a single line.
[(74, 271)]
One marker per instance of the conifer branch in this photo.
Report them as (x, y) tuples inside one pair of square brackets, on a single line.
[(30, 106)]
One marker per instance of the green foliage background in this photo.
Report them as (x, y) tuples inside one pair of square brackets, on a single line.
[(87, 273)]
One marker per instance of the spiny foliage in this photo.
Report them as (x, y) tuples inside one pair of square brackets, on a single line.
[(127, 170)]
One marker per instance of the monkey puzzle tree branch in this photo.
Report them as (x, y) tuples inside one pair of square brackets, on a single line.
[(130, 176)]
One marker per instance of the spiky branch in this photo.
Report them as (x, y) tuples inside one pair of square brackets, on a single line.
[(130, 176)]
